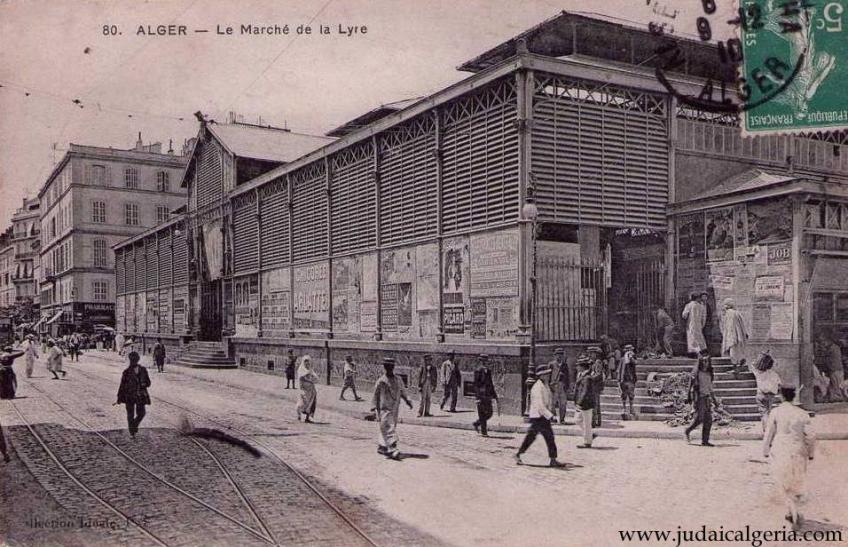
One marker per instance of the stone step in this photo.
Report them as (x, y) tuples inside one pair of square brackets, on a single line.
[(615, 398), (613, 414), (682, 361), (205, 365), (678, 368), (720, 391), (718, 376), (195, 359)]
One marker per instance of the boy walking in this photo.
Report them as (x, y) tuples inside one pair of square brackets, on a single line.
[(540, 416), (349, 379), (627, 381)]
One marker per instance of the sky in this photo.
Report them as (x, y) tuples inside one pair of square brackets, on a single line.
[(58, 51)]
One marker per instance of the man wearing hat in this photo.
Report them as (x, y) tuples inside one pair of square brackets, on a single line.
[(598, 369), (388, 392), (349, 378), (428, 378), (627, 381), (560, 382), (484, 389), (132, 392), (451, 378), (540, 416), (30, 354), (584, 397)]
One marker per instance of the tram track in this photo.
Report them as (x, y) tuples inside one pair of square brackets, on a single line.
[(267, 450), (263, 536)]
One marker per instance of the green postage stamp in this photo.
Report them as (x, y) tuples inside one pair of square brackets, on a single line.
[(794, 65)]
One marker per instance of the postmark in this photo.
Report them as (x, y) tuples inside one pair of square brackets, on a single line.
[(776, 56)]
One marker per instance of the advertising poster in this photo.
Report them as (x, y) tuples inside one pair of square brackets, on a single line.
[(501, 317), (740, 226), (478, 317), (275, 302), (769, 221), (119, 314), (368, 316), (780, 253), (455, 265), (427, 277), (246, 301), (312, 296), (347, 289), (768, 287), (690, 235), (782, 321), (165, 310), (494, 264), (404, 304), (389, 307), (719, 234), (140, 311), (369, 277)]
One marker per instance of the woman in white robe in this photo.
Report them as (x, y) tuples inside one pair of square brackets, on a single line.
[(790, 442), (695, 315), (308, 395)]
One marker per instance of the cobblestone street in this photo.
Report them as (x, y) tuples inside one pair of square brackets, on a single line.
[(452, 487)]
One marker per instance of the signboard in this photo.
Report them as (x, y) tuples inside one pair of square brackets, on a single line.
[(782, 321), (179, 314), (769, 287), (276, 296), (152, 311), (312, 296), (454, 319), (494, 264), (780, 253)]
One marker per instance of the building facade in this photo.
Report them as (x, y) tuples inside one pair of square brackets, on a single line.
[(94, 198), (7, 270), (26, 235), (413, 232)]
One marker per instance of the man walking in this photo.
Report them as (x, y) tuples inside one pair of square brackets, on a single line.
[(734, 336), (627, 381), (695, 315), (484, 389), (349, 379), (132, 392), (159, 355), (830, 362), (388, 392), (30, 354), (540, 416), (428, 379), (119, 343), (598, 377), (584, 398), (451, 378), (54, 359), (664, 331), (291, 363), (560, 382), (701, 394)]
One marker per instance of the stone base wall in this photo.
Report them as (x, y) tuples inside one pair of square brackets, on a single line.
[(507, 361), (174, 344)]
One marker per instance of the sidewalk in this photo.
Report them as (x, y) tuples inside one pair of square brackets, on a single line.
[(832, 426)]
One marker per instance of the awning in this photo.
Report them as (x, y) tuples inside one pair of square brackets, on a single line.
[(55, 317), (38, 323)]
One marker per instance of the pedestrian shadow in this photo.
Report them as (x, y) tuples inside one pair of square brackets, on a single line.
[(313, 422), (603, 448), (275, 435), (725, 445), (502, 437), (810, 525), (564, 467), (413, 456)]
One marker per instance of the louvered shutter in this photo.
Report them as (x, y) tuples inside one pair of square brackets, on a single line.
[(140, 267), (209, 173), (152, 263), (180, 257), (120, 272), (353, 199), (599, 154), (309, 212), (408, 190), (480, 159), (166, 257), (130, 271), (245, 233), (275, 224)]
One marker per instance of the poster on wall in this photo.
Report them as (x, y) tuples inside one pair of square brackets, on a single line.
[(690, 235), (397, 274), (389, 307), (427, 277), (347, 290), (501, 317), (455, 274), (769, 221), (140, 311), (120, 326), (719, 234), (494, 264), (779, 253), (165, 310), (404, 305), (782, 321), (368, 316), (275, 302), (246, 297), (740, 226), (769, 288), (312, 296), (369, 277), (478, 317)]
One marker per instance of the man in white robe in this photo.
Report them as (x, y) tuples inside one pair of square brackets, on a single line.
[(734, 336), (695, 315), (388, 392), (790, 442), (30, 354)]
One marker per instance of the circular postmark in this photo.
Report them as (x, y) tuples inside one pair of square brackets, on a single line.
[(765, 59)]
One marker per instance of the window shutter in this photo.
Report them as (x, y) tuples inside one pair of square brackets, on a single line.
[(309, 213), (245, 233), (165, 258), (353, 199), (152, 262), (274, 209)]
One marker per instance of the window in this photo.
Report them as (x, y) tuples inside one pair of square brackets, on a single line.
[(96, 174), (131, 214), (98, 211), (161, 213), (163, 183), (100, 289), (99, 253), (53, 227), (131, 177)]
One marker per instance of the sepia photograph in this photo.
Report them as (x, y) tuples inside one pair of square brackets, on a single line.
[(423, 273)]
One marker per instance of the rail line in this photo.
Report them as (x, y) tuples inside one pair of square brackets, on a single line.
[(268, 450), (258, 535)]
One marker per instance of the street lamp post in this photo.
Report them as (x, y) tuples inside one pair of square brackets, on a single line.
[(531, 213)]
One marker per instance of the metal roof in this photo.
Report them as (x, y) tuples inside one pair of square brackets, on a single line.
[(371, 116), (746, 181), (265, 143), (609, 38)]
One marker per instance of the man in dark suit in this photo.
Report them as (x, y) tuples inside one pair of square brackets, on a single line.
[(484, 389), (428, 378), (133, 392)]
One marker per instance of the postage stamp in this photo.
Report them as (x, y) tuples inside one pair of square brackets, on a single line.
[(794, 66)]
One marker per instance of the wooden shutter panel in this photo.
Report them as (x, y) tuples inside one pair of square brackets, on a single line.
[(152, 263), (353, 199), (165, 257), (309, 213), (180, 256), (245, 233), (274, 208)]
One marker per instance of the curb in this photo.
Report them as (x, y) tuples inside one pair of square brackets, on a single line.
[(567, 431)]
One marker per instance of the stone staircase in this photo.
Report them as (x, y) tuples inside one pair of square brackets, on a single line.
[(737, 395), (205, 355)]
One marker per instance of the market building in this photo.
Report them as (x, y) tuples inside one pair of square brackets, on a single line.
[(533, 204), (94, 198)]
